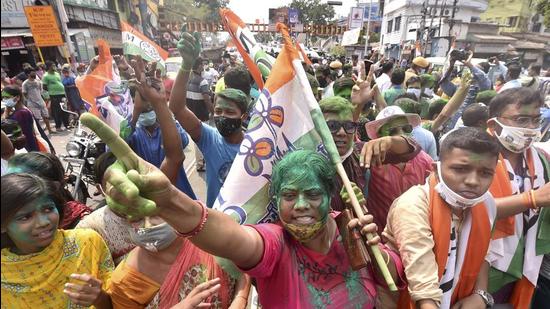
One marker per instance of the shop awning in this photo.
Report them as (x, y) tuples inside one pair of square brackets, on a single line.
[(8, 33)]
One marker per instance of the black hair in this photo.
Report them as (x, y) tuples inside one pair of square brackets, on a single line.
[(472, 139), (397, 76), (101, 164), (44, 165), (49, 63), (474, 114), (485, 66), (407, 96), (519, 96), (21, 189), (238, 77), (514, 70), (387, 67)]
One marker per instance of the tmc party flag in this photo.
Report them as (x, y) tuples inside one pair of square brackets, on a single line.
[(284, 119), (257, 61), (136, 43), (103, 92)]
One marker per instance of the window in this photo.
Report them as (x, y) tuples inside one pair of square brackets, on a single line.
[(397, 23), (474, 19), (390, 25), (512, 21)]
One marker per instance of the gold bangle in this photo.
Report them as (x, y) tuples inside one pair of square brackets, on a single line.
[(533, 201)]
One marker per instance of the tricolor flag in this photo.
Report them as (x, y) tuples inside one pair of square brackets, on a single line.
[(303, 55), (286, 117), (258, 62), (136, 43)]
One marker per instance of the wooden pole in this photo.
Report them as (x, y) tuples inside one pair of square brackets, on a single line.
[(359, 213), (40, 54), (67, 53)]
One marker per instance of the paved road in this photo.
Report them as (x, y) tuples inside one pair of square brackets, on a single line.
[(197, 180)]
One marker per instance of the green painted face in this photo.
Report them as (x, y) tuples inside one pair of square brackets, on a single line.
[(33, 227), (303, 204), (344, 93), (227, 108), (397, 122)]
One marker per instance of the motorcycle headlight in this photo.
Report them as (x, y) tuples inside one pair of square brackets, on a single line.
[(73, 149)]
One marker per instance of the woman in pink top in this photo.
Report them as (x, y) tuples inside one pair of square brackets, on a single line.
[(298, 263)]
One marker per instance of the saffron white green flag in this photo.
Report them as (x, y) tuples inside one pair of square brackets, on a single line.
[(136, 43), (286, 117)]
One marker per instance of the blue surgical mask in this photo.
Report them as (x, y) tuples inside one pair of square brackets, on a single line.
[(9, 102), (147, 119)]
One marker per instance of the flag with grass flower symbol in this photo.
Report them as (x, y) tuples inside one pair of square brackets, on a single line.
[(286, 117)]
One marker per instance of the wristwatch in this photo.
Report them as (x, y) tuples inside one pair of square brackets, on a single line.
[(487, 298)]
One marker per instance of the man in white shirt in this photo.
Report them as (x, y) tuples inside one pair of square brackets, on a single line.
[(384, 81)]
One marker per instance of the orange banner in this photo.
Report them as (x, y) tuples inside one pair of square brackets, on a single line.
[(43, 24)]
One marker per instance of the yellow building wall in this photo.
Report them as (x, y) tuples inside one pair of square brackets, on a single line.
[(504, 12)]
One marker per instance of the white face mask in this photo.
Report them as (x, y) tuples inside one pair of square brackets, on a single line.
[(454, 199), (414, 91), (154, 238), (9, 102), (517, 139)]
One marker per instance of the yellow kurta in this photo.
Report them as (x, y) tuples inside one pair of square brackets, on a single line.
[(37, 280)]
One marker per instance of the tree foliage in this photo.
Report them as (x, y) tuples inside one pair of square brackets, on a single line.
[(543, 6), (195, 10), (313, 11), (338, 51)]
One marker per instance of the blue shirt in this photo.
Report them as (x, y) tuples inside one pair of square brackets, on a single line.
[(426, 140), (218, 155), (149, 147)]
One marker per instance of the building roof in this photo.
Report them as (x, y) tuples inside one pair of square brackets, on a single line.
[(497, 38), (528, 45)]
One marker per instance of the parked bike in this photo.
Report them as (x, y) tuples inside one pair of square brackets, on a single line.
[(82, 150)]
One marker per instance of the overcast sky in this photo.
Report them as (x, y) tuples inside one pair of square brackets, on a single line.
[(250, 10)]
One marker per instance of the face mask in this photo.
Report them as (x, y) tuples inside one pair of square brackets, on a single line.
[(153, 239), (9, 102), (414, 91), (227, 126), (454, 199), (147, 119), (517, 139)]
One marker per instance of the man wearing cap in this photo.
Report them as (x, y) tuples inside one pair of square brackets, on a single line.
[(418, 66), (398, 173)]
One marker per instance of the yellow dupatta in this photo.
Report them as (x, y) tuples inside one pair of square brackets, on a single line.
[(37, 280)]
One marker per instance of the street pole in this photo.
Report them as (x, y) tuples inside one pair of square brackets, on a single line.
[(422, 25), (60, 10), (451, 25), (432, 16), (367, 36)]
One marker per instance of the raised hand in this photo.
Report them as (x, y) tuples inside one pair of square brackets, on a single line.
[(86, 294), (466, 79), (147, 81), (358, 193), (134, 186), (197, 296), (189, 47)]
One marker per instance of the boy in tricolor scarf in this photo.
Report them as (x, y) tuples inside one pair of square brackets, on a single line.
[(442, 229), (521, 189)]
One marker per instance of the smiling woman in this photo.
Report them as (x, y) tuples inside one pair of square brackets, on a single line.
[(37, 258)]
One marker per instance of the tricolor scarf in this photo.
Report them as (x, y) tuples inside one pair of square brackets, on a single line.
[(519, 242), (473, 242)]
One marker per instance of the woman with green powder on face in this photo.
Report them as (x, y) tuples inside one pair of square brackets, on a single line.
[(42, 266), (299, 263)]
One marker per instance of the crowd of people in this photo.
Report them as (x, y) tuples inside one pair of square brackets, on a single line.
[(453, 166)]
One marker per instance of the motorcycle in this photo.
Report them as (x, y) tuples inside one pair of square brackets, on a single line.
[(82, 151)]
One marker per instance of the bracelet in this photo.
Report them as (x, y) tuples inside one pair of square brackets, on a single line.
[(527, 200), (199, 227), (533, 201)]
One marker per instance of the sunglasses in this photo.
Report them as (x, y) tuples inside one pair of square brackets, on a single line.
[(334, 126), (397, 130)]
